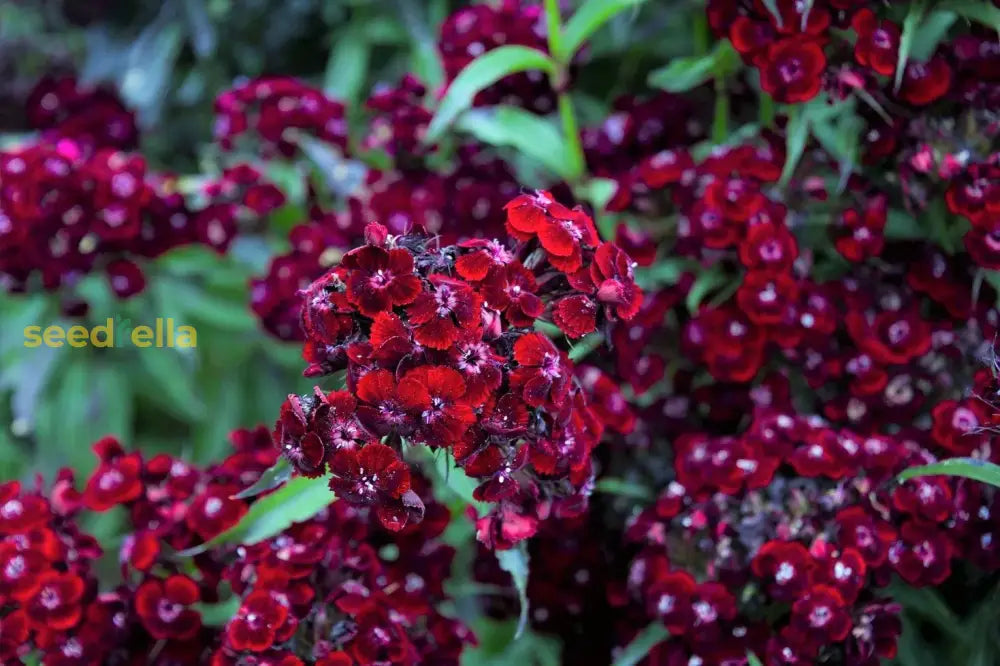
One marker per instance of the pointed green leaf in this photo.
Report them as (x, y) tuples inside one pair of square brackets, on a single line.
[(298, 500), (969, 468), (271, 478), (481, 73), (587, 20), (648, 638), (515, 562), (530, 134), (683, 74), (911, 25)]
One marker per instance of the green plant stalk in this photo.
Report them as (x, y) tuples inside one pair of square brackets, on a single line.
[(766, 110), (720, 119), (571, 130), (567, 114)]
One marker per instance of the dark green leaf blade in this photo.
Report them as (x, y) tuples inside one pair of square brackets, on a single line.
[(969, 468), (298, 500), (530, 134), (640, 646), (272, 477), (482, 72), (515, 562), (587, 20)]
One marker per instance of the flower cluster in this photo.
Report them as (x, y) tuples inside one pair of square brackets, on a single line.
[(318, 592), (272, 106), (65, 211), (439, 350)]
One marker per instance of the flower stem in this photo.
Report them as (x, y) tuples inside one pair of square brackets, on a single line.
[(567, 115), (553, 24), (572, 132)]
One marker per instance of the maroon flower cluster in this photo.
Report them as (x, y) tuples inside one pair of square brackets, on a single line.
[(472, 31), (272, 106), (318, 592), (72, 201), (438, 347), (65, 211)]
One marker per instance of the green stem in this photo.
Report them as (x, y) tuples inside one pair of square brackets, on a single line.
[(720, 120), (572, 133), (702, 36), (567, 114), (766, 111), (553, 23)]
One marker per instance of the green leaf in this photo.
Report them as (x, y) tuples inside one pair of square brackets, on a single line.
[(218, 615), (199, 28), (772, 6), (530, 134), (587, 20), (930, 34), (482, 72), (753, 660), (704, 284), (167, 382), (298, 500), (664, 272), (582, 349), (969, 468), (515, 562), (974, 10), (271, 478), (797, 133), (654, 634), (347, 65), (910, 26), (341, 176), (683, 74), (901, 225), (623, 488)]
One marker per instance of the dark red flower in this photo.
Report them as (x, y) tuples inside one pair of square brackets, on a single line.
[(925, 82), (792, 69), (214, 511), (388, 408), (114, 482), (440, 314), (786, 566), (877, 45), (163, 607), (543, 373), (255, 626), (379, 279), (448, 415), (55, 604)]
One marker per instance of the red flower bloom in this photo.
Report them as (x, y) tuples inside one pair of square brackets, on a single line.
[(448, 416), (257, 623), (375, 476), (576, 315), (379, 279), (792, 69), (786, 566), (670, 597), (543, 373), (441, 313), (163, 607), (925, 82), (819, 617), (114, 482), (512, 291), (214, 511), (55, 604), (877, 45), (491, 254), (387, 407)]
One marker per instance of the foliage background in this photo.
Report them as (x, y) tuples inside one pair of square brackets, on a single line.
[(170, 59)]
